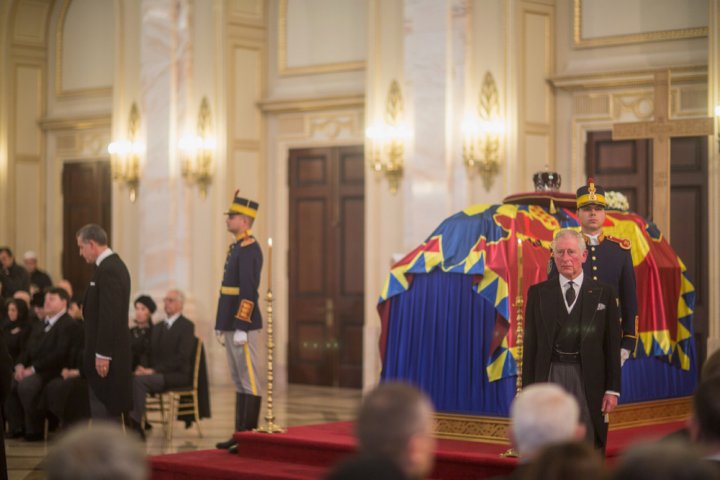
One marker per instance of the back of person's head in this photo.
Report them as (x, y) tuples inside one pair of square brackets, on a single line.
[(663, 461), (567, 461), (395, 422), (364, 467), (705, 420), (541, 415), (103, 452)]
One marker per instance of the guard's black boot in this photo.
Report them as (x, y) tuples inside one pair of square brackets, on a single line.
[(249, 415), (239, 421)]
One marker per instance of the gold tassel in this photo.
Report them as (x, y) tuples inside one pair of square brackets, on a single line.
[(553, 210)]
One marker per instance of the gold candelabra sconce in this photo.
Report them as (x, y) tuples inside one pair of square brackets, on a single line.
[(197, 150), (125, 155), (387, 140), (482, 133)]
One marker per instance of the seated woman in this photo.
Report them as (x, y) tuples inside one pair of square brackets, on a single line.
[(141, 333), (16, 327)]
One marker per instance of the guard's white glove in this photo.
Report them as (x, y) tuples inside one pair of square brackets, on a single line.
[(240, 338), (624, 355)]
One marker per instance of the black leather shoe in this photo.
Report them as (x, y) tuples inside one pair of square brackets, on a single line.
[(226, 444), (137, 428), (233, 449)]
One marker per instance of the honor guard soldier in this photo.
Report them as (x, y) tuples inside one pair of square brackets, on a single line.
[(608, 261), (238, 321)]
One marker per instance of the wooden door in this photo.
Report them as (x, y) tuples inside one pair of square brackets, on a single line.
[(688, 214), (626, 166), (87, 198), (326, 266), (623, 166)]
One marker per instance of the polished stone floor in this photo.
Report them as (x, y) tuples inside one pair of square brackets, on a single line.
[(299, 405)]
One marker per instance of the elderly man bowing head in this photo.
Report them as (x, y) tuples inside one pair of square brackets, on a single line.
[(572, 336)]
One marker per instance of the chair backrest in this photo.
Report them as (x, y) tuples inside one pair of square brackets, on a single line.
[(196, 365)]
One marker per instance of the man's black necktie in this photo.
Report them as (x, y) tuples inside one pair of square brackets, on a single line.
[(570, 293)]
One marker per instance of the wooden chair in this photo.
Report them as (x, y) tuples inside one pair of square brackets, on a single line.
[(178, 401)]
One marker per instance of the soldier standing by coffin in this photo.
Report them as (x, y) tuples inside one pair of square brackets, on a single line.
[(238, 321), (609, 260)]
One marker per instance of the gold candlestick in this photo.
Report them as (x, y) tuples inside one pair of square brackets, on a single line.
[(270, 426), (519, 333)]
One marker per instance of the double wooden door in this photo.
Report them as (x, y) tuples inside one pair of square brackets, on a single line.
[(87, 198), (326, 266), (626, 166)]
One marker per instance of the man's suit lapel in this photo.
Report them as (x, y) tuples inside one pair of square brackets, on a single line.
[(549, 298), (590, 299)]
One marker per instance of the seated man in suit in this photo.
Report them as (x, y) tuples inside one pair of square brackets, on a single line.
[(172, 348), (48, 350)]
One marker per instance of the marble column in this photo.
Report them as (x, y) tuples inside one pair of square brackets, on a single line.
[(163, 203)]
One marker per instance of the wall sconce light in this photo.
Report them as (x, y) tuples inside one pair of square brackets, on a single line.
[(387, 139), (482, 131), (197, 151), (125, 155)]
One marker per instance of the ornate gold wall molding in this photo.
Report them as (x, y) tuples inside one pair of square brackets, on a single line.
[(312, 104), (627, 78), (474, 428), (629, 39), (77, 123), (282, 55), (29, 22)]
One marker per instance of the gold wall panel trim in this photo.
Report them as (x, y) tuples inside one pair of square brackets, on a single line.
[(82, 123), (78, 92), (635, 78), (650, 413), (283, 68), (21, 38), (246, 145), (629, 39), (473, 428), (312, 104)]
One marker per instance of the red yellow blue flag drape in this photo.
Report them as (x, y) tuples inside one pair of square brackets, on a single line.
[(483, 241)]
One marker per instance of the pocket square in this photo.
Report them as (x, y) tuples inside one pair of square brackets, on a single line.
[(601, 306)]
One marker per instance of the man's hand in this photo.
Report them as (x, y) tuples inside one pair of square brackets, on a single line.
[(27, 372), (239, 338), (220, 337), (19, 369), (69, 373), (624, 355), (140, 370), (609, 403), (102, 366)]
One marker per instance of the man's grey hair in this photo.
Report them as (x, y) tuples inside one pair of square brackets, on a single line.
[(569, 232), (93, 232), (103, 452), (389, 417), (543, 414), (179, 294)]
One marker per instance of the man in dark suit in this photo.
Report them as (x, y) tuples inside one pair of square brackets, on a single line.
[(48, 349), (171, 357), (609, 260), (107, 357), (572, 335), (6, 374), (704, 422), (13, 277)]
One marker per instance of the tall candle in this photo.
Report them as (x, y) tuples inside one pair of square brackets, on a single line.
[(270, 263)]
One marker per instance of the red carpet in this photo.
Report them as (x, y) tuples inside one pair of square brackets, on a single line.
[(307, 452)]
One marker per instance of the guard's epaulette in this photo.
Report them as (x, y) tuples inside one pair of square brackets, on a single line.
[(623, 242), (247, 241)]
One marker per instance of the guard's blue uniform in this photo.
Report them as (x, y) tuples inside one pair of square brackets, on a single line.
[(238, 307), (610, 262)]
